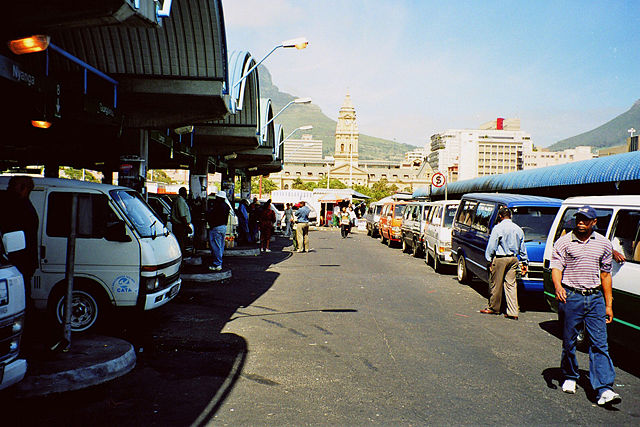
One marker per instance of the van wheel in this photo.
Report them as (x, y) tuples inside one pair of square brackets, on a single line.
[(427, 256), (85, 309), (382, 239), (464, 276), (368, 231), (416, 251), (405, 247), (437, 266)]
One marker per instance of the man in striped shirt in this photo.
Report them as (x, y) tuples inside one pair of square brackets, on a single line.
[(581, 274)]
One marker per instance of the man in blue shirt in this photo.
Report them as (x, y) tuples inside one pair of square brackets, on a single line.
[(302, 229), (504, 251)]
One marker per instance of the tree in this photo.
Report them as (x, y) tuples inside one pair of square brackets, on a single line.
[(72, 173), (267, 185), (159, 175), (378, 190), (333, 183)]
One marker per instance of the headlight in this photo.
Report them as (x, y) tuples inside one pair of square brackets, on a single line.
[(17, 326), (444, 248), (14, 345), (396, 229), (152, 283)]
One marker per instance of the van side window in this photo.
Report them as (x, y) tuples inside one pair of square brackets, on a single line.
[(483, 215), (93, 215), (416, 213), (568, 222), (626, 235), (466, 212)]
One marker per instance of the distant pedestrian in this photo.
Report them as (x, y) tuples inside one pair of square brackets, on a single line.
[(505, 251), (243, 222), (254, 218), (181, 219), (345, 221), (302, 227), (267, 222), (288, 220), (581, 274), (217, 218)]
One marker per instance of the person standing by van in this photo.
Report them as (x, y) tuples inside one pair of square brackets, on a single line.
[(581, 274), (302, 227), (288, 220), (18, 214), (217, 218), (505, 250), (181, 219)]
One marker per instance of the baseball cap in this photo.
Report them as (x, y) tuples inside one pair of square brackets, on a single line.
[(587, 211)]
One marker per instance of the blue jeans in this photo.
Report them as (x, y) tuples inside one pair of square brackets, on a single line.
[(216, 242), (590, 311)]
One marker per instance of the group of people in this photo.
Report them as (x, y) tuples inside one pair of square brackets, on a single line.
[(297, 220), (581, 272)]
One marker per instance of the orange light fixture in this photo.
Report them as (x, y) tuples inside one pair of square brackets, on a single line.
[(32, 44), (42, 124)]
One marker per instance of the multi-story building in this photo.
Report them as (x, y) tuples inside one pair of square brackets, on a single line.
[(542, 157), (496, 147), (303, 160)]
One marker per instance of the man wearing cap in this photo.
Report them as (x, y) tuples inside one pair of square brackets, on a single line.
[(581, 274), (217, 217), (505, 251)]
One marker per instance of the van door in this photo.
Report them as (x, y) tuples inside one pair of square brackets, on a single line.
[(113, 265), (625, 238), (478, 239)]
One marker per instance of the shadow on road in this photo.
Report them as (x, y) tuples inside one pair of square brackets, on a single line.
[(186, 366)]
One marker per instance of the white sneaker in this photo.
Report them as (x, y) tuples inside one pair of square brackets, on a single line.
[(267, 250), (609, 397), (569, 386)]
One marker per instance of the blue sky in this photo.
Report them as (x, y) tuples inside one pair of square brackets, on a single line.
[(414, 68)]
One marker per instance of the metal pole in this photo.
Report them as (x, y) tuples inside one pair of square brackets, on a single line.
[(70, 270)]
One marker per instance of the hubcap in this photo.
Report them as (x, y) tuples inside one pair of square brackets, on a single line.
[(84, 311)]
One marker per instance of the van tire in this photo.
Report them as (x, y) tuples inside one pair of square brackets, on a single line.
[(437, 266), (405, 247), (416, 251), (382, 239), (464, 276), (88, 308)]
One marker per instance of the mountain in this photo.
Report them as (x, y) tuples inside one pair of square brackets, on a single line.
[(610, 134), (370, 147)]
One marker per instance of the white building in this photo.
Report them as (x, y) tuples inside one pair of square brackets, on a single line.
[(543, 157), (496, 147), (306, 148)]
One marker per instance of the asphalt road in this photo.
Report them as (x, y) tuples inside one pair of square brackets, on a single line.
[(351, 333)]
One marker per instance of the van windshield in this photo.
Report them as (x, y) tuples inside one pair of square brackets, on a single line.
[(146, 223), (534, 221), (398, 211), (449, 215)]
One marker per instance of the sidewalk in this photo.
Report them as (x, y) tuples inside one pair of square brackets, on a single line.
[(91, 360)]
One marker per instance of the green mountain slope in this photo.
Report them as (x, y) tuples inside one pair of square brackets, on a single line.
[(610, 134), (371, 148)]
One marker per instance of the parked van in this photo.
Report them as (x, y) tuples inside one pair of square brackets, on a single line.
[(619, 221), (391, 222), (475, 217), (12, 306), (372, 217), (125, 256), (414, 219), (437, 233)]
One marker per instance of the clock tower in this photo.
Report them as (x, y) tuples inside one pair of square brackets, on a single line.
[(346, 150)]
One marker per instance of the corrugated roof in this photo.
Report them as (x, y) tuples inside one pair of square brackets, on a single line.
[(620, 167)]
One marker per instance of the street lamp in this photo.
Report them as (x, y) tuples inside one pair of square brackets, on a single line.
[(299, 43), (307, 127), (295, 101)]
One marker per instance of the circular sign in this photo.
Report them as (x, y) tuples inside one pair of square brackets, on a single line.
[(438, 179)]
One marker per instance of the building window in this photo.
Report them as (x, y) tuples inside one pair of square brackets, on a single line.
[(286, 186), (287, 173), (298, 174)]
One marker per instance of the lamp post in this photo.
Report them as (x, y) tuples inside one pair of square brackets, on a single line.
[(299, 43), (295, 101)]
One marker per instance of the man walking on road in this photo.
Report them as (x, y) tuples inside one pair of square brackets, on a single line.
[(504, 251), (302, 227), (581, 274)]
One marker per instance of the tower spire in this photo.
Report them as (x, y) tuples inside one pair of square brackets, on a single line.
[(346, 148)]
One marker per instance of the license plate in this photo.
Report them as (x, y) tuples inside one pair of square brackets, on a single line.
[(174, 291)]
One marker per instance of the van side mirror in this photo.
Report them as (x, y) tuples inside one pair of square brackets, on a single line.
[(13, 241), (117, 232)]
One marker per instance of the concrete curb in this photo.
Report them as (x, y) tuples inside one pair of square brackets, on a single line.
[(90, 362), (207, 277), (229, 252)]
